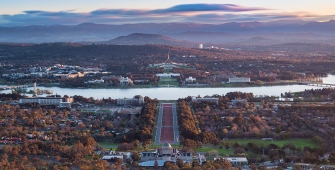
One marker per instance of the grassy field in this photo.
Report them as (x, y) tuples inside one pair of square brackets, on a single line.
[(166, 81), (183, 67), (166, 101), (168, 70), (297, 142), (222, 152), (92, 111), (108, 145)]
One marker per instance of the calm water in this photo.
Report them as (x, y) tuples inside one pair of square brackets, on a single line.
[(330, 79), (175, 92)]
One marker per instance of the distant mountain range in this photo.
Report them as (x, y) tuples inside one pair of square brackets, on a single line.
[(281, 31), (143, 39)]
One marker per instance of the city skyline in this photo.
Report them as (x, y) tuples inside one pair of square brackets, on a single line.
[(20, 13)]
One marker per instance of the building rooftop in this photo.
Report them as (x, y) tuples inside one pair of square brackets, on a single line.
[(152, 163), (236, 159), (166, 145)]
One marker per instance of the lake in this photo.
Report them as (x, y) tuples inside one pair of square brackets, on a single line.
[(174, 93)]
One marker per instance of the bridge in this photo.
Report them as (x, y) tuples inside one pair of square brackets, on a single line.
[(316, 84)]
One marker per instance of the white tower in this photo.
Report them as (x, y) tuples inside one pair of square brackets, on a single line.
[(168, 61), (201, 46), (35, 90)]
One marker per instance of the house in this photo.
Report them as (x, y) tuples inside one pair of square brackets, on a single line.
[(190, 79), (112, 156), (58, 101), (236, 102), (136, 100), (42, 100), (168, 75), (65, 104), (96, 81), (125, 81), (239, 80), (236, 160), (199, 100)]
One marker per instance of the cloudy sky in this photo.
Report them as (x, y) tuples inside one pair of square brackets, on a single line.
[(70, 12)]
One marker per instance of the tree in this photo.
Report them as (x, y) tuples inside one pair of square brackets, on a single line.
[(187, 166), (179, 163), (332, 158), (207, 165), (238, 150), (135, 164), (224, 163), (189, 143), (135, 156), (227, 146), (212, 153), (4, 161), (170, 166), (195, 163), (118, 161), (253, 166), (136, 143)]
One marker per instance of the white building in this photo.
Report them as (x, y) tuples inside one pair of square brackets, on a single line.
[(237, 101), (96, 81), (236, 160), (125, 81), (190, 79), (167, 153), (15, 75), (130, 101), (112, 156), (239, 79), (65, 104), (42, 100), (201, 46), (199, 100), (167, 75)]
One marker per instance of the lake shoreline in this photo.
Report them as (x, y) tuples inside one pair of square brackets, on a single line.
[(236, 85)]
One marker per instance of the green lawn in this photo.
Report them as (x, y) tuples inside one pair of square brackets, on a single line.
[(297, 142), (166, 81), (222, 152), (168, 70), (154, 146), (167, 101), (143, 86), (108, 145), (92, 111), (228, 85), (183, 67)]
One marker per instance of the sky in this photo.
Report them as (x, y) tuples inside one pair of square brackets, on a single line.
[(72, 12)]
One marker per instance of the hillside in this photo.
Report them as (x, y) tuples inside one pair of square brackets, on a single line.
[(143, 39)]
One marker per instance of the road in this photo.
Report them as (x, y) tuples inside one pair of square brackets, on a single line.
[(160, 123), (175, 124)]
